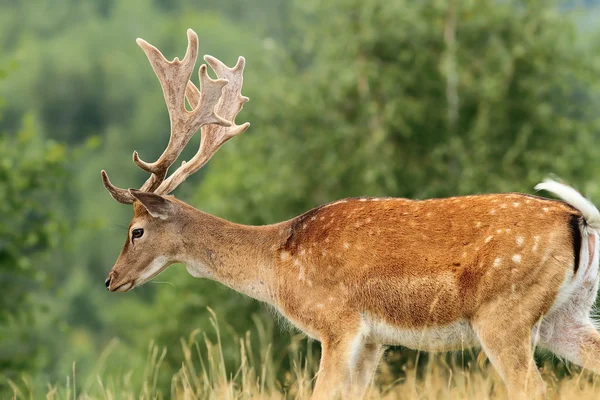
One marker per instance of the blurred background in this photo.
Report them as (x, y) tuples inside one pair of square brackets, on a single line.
[(348, 98)]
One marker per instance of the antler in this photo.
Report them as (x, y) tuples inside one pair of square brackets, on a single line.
[(213, 136), (214, 110)]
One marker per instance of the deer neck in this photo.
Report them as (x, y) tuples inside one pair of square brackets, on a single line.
[(239, 256)]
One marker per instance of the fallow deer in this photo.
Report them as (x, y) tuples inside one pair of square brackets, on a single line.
[(505, 272)]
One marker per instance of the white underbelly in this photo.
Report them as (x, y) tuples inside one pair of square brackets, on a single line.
[(456, 336)]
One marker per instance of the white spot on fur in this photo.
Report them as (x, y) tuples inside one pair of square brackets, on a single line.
[(545, 209), (363, 199), (478, 224), (503, 205), (492, 211), (536, 241), (516, 258), (499, 230), (497, 262), (520, 241), (284, 256), (346, 245), (487, 239), (516, 204), (546, 255), (337, 202), (302, 252)]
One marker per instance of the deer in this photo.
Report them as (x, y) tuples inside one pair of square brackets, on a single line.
[(507, 273)]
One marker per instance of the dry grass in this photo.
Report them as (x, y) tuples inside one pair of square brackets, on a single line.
[(203, 375)]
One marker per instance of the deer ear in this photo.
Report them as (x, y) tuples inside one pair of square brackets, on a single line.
[(157, 206)]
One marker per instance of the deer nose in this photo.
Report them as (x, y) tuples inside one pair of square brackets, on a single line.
[(107, 282)]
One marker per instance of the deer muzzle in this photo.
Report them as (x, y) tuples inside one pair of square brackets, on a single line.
[(113, 284)]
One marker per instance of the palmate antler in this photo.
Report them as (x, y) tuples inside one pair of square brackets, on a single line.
[(214, 110)]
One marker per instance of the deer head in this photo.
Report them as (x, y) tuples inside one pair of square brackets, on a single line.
[(149, 249)]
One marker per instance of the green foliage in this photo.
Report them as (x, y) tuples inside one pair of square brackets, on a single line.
[(394, 107), (348, 98), (32, 176)]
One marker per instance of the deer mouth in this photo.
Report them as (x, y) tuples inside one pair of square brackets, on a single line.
[(124, 287)]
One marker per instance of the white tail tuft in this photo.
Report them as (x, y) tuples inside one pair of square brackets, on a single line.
[(574, 198)]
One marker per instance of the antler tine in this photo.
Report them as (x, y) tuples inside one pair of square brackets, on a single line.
[(213, 136), (174, 77), (121, 195)]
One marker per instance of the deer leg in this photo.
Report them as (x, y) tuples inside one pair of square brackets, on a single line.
[(569, 332), (362, 369), (333, 369), (508, 347), (578, 342), (346, 367), (589, 349)]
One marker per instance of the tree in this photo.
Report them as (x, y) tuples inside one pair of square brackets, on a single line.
[(415, 99), (32, 172)]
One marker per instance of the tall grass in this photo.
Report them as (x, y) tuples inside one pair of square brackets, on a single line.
[(203, 375)]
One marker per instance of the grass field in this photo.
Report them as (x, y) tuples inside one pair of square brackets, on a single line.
[(203, 375)]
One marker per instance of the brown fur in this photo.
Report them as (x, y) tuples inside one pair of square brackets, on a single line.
[(422, 263), (411, 264)]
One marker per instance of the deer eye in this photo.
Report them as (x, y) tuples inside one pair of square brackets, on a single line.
[(137, 233)]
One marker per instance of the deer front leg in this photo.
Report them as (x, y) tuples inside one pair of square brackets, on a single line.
[(333, 369), (362, 369), (346, 367)]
